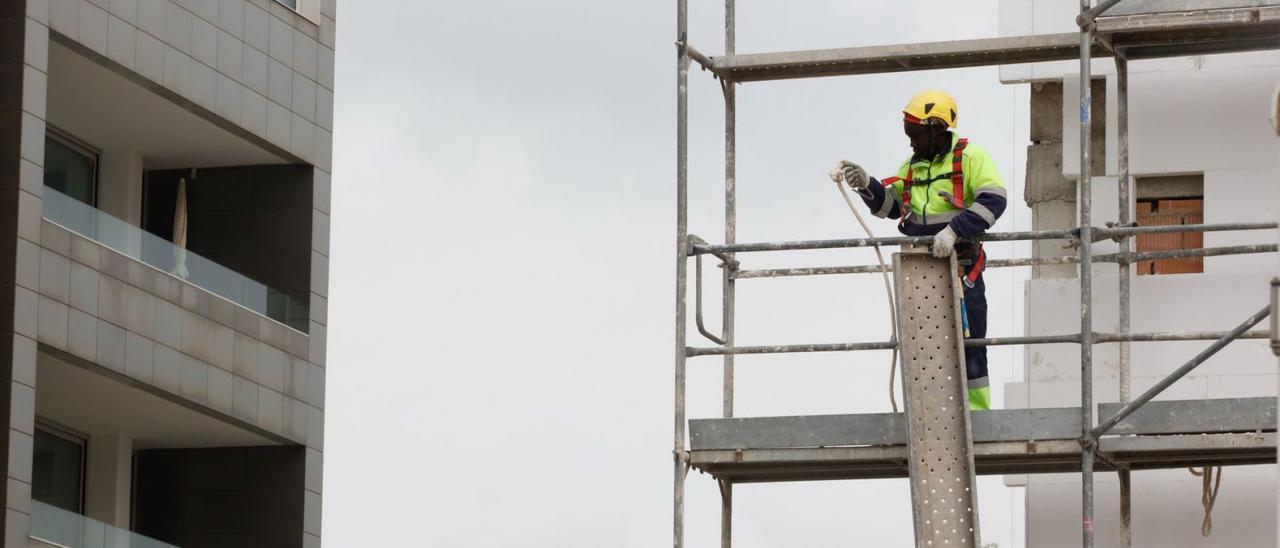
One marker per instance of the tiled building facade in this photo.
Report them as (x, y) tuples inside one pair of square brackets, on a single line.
[(164, 217)]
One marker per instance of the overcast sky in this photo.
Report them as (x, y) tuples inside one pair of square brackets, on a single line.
[(500, 343)]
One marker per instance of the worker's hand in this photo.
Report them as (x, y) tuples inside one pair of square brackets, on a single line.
[(852, 173), (944, 243)]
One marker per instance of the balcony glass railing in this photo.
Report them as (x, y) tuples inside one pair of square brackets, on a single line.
[(51, 525), (163, 255)]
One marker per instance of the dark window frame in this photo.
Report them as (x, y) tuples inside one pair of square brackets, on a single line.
[(82, 440), (83, 149)]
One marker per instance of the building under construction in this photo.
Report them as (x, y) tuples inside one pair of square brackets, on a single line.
[(1148, 278)]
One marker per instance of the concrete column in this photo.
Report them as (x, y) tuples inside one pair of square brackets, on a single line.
[(120, 185), (109, 479), (24, 63), (1050, 194)]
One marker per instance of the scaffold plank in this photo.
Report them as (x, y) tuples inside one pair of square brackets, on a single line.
[(1165, 434), (1195, 416), (1153, 35), (897, 57), (873, 429), (990, 458)]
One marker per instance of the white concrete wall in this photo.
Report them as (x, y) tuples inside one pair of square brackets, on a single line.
[(1187, 115), (1025, 17), (109, 479), (120, 184)]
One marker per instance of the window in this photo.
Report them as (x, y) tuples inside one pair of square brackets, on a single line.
[(70, 168), (308, 9), (57, 469), (1163, 201)]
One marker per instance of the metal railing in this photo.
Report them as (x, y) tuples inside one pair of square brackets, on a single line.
[(165, 256), (1122, 232)]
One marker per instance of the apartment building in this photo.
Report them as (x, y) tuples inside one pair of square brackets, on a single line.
[(1201, 151), (164, 234)]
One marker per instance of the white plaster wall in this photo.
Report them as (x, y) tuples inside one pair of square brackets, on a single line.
[(1212, 118), (109, 479), (1025, 17), (1203, 115), (120, 184)]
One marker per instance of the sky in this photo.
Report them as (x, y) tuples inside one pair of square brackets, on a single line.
[(502, 273)]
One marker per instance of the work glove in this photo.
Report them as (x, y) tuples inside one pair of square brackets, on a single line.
[(852, 173), (944, 243)]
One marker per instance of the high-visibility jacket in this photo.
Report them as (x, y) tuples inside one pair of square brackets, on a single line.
[(967, 195)]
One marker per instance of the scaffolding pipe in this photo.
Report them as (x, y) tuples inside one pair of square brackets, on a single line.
[(1103, 233), (1099, 338), (1087, 18), (1092, 435), (1122, 258), (730, 206), (696, 242), (693, 352), (1096, 233), (1086, 276), (1126, 510), (726, 513), (728, 283), (697, 300), (1172, 337), (696, 55), (682, 252), (1184, 253), (1125, 265), (871, 242)]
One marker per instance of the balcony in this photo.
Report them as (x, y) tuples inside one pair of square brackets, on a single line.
[(54, 527), (165, 256)]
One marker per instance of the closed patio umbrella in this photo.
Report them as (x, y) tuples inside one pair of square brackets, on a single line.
[(180, 231)]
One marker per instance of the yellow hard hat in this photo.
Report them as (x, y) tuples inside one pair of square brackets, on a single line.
[(932, 104)]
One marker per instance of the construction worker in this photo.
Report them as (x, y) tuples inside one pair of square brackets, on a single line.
[(948, 189)]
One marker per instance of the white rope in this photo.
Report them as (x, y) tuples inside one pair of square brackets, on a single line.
[(1208, 494), (888, 288)]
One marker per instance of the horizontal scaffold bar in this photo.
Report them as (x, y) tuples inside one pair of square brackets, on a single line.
[(1140, 36), (694, 351), (1103, 233), (1072, 234), (869, 242), (1030, 261)]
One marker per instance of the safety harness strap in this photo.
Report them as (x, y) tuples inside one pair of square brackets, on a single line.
[(979, 264), (906, 195), (957, 174), (957, 181)]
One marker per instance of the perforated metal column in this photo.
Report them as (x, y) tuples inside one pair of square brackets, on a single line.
[(943, 496)]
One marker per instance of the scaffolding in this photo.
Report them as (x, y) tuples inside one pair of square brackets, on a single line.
[(1139, 433)]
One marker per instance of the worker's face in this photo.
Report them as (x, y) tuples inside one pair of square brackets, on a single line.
[(922, 138)]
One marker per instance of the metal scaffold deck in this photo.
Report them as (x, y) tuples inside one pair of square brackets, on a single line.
[(1135, 433), (1139, 36), (1014, 441)]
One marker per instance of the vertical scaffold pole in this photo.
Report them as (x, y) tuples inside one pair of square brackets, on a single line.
[(730, 236), (1126, 281), (682, 244), (1086, 280)]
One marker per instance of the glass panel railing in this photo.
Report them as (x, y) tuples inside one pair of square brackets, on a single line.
[(53, 525), (143, 246)]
